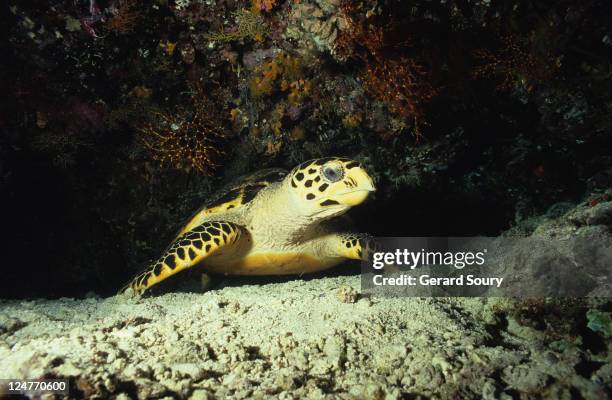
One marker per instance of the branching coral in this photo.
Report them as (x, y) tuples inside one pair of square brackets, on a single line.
[(125, 16), (392, 77), (188, 140), (400, 85), (248, 26), (521, 60)]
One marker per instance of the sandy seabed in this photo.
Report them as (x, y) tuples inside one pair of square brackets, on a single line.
[(313, 339)]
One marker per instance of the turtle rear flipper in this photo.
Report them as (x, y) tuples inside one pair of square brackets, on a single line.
[(188, 250)]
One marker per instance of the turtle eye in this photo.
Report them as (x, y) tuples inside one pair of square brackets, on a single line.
[(332, 173)]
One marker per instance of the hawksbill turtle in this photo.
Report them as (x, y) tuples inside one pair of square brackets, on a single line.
[(272, 223)]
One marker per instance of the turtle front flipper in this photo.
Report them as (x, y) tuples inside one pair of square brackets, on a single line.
[(188, 250), (355, 246)]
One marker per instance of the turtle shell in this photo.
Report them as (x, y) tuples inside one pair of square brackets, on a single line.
[(236, 194), (243, 190)]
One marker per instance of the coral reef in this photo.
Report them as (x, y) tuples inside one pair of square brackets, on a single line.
[(282, 82), (248, 26), (397, 80), (521, 60), (188, 140), (401, 86), (283, 73), (264, 5), (313, 26), (125, 16)]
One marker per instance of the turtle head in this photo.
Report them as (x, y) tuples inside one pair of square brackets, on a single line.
[(329, 186)]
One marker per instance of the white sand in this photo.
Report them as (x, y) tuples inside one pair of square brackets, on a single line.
[(289, 340)]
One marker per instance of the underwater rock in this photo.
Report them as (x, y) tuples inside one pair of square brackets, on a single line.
[(600, 321), (9, 325), (256, 57), (347, 294), (567, 254)]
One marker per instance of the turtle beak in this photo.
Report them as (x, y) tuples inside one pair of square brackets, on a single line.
[(359, 184), (364, 181)]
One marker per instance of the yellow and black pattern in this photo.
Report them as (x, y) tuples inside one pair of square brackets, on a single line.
[(246, 191), (357, 246), (317, 178), (237, 196), (188, 250)]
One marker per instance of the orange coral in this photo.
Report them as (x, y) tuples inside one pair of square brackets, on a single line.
[(125, 17), (400, 85), (277, 119), (399, 81), (352, 120), (298, 91), (264, 5), (187, 142), (268, 79), (234, 113), (264, 83), (273, 147), (527, 60), (297, 134)]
